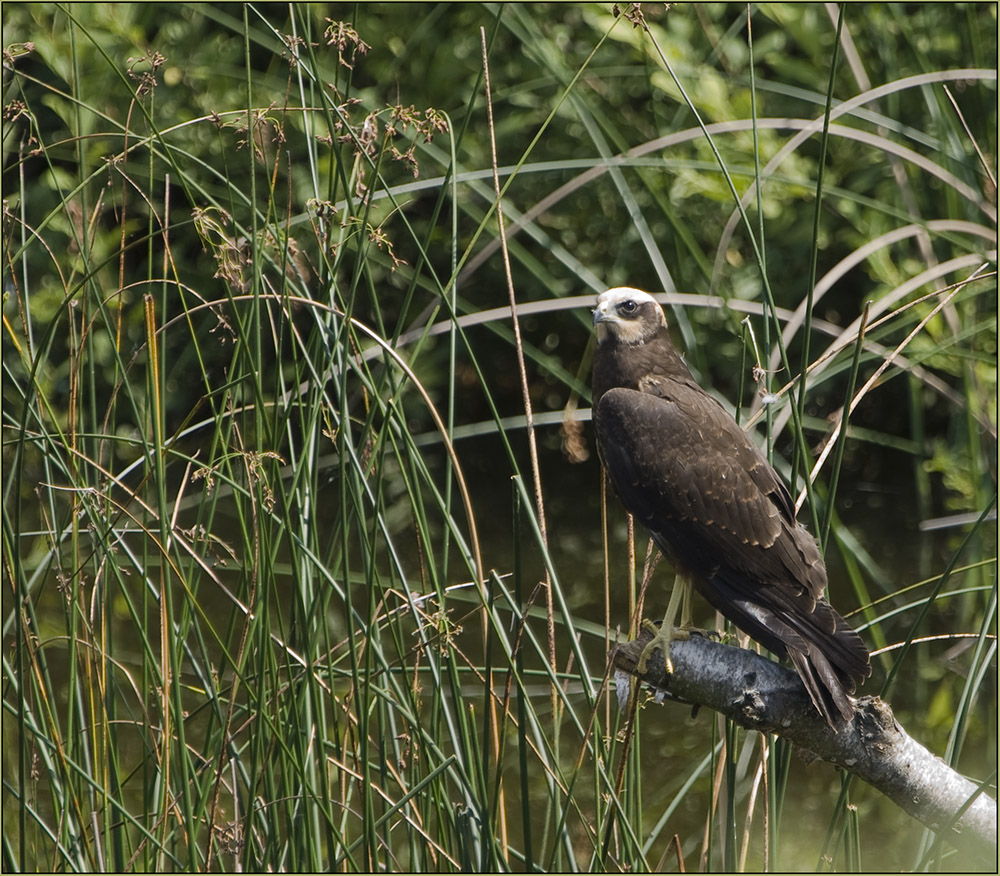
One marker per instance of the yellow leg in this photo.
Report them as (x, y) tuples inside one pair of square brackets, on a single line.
[(680, 599), (686, 622)]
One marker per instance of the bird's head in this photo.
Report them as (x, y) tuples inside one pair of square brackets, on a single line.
[(630, 316)]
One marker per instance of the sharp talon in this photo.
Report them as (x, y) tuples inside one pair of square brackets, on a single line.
[(648, 652), (665, 632), (662, 637)]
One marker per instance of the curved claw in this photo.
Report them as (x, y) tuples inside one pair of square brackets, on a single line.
[(663, 635)]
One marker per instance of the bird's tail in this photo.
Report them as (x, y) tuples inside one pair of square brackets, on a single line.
[(832, 661), (829, 656)]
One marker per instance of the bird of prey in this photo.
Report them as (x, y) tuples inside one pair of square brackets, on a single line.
[(713, 505)]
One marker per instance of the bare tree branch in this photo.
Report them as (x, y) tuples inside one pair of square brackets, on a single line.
[(759, 694)]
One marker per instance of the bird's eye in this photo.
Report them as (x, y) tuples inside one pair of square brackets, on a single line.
[(628, 306)]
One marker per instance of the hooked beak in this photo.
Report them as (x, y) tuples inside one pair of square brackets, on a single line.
[(604, 320), (601, 314)]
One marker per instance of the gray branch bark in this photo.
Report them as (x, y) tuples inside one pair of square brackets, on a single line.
[(759, 694)]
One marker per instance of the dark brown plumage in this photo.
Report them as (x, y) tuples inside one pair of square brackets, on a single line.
[(713, 504)]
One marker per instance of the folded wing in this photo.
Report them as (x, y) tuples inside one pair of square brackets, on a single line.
[(717, 508)]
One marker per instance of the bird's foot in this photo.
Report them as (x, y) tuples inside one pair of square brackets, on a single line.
[(662, 637), (692, 630)]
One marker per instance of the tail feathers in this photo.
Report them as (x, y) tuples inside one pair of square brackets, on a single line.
[(826, 631), (823, 685), (829, 656), (820, 662), (830, 664), (848, 653)]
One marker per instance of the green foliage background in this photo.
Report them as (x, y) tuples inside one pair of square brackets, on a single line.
[(283, 584)]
